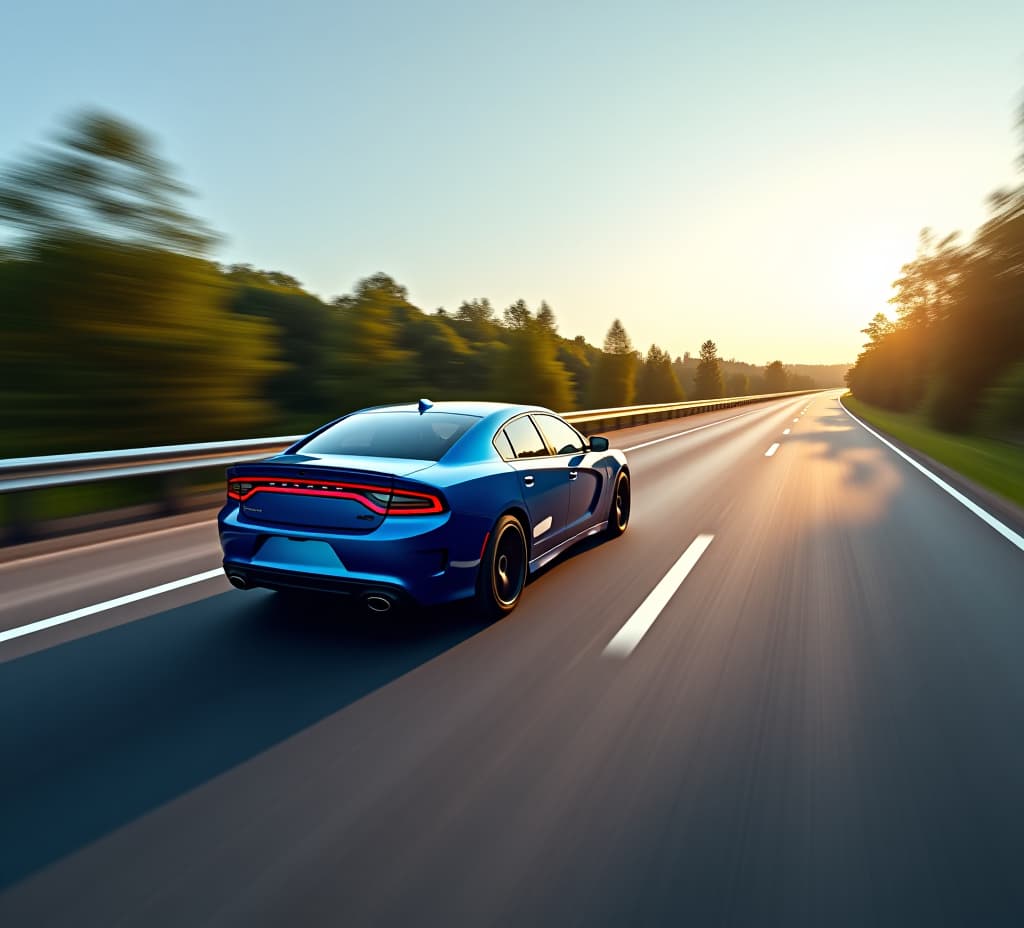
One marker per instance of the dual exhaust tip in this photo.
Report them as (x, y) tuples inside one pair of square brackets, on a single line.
[(376, 600)]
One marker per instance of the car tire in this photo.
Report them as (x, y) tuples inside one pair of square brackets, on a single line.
[(618, 513), (503, 569)]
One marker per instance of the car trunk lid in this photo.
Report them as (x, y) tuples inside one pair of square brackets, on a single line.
[(341, 493)]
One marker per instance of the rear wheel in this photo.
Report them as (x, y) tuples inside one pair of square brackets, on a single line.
[(502, 569), (618, 515)]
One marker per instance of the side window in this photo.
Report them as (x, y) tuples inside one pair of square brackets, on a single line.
[(560, 435), (504, 446), (525, 439)]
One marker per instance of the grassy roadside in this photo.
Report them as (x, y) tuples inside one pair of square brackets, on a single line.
[(997, 465)]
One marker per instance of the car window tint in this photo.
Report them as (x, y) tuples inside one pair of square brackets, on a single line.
[(504, 446), (526, 440), (560, 435), (392, 435)]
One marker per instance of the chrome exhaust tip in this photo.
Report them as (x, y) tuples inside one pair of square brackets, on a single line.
[(238, 581), (378, 602)]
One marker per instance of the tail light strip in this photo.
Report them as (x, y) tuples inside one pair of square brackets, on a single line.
[(381, 500)]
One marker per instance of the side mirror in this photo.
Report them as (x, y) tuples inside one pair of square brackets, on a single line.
[(598, 443)]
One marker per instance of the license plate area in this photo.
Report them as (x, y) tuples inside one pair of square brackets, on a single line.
[(278, 550)]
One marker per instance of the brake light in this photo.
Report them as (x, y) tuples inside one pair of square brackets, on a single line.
[(237, 489), (381, 500), (407, 503)]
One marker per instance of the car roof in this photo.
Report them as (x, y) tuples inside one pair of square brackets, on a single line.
[(475, 446), (477, 408)]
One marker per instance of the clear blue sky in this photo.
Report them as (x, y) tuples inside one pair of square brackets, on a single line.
[(744, 171)]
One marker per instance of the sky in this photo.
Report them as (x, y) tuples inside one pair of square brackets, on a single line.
[(754, 173)]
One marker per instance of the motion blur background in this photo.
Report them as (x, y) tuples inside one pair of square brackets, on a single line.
[(685, 187)]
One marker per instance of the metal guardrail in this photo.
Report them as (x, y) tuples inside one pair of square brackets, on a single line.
[(20, 476), (625, 416), (56, 470)]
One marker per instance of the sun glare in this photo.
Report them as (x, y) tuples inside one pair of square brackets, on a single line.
[(865, 274)]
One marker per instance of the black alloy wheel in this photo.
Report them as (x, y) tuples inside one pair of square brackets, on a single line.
[(618, 515), (502, 569)]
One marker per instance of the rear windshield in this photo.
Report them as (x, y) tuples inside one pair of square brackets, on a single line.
[(392, 435)]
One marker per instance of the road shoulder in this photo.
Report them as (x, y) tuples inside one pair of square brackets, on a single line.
[(1000, 507)]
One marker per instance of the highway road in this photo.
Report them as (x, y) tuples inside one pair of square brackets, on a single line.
[(792, 693)]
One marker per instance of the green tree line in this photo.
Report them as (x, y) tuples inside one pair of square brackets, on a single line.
[(119, 329), (955, 349)]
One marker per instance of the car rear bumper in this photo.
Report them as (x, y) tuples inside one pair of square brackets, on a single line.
[(245, 576), (427, 562)]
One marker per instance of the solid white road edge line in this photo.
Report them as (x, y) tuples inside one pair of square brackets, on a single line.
[(109, 604), (772, 449), (655, 441), (1008, 533), (638, 624)]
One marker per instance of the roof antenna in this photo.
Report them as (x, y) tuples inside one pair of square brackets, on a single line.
[(424, 405)]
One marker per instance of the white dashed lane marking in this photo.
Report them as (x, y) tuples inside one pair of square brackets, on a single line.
[(640, 622)]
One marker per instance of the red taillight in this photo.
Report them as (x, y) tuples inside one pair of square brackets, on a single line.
[(381, 500), (408, 503)]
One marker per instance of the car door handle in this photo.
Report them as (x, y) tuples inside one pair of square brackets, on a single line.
[(528, 480), (573, 475)]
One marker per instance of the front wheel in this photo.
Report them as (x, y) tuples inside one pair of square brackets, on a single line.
[(618, 515), (502, 569)]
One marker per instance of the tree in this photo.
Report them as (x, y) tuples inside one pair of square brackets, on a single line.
[(477, 315), (1002, 407), (980, 334), (614, 381), (776, 380), (474, 321), (684, 369), (528, 370), (305, 328), (518, 316), (878, 329), (905, 360), (546, 318), (657, 382), (370, 365), (737, 385), (106, 292), (440, 355), (135, 348), (959, 330), (578, 357), (707, 382), (100, 179)]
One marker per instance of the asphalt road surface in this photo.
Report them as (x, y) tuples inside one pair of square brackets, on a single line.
[(792, 693)]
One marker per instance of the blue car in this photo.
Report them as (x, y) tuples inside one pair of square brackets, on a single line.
[(425, 503)]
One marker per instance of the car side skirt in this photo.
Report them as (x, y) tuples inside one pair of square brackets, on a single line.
[(548, 556)]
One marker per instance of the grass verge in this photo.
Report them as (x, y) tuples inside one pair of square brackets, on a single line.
[(997, 465)]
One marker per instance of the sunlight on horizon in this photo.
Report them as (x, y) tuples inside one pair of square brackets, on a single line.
[(866, 276)]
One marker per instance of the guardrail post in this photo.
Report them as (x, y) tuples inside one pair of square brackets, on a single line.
[(172, 491), (19, 519)]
